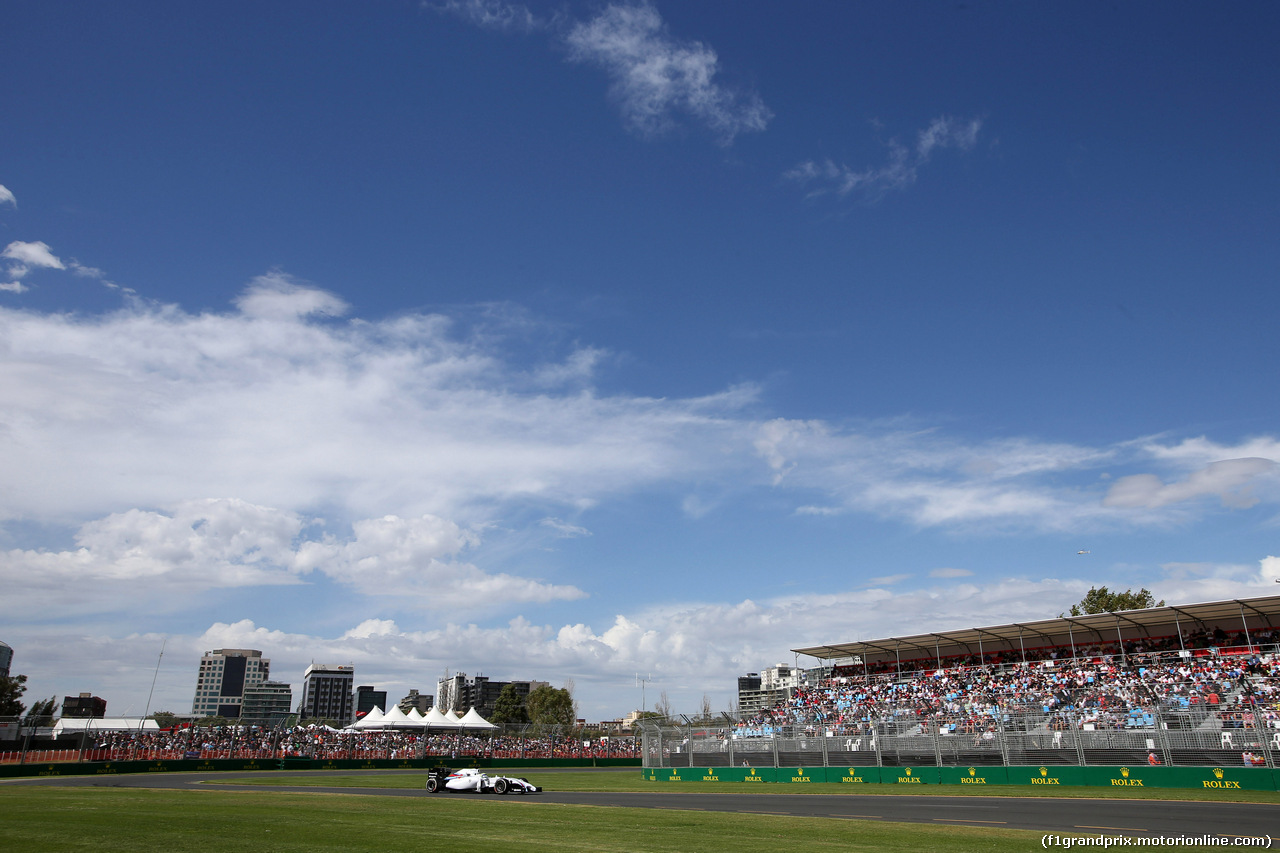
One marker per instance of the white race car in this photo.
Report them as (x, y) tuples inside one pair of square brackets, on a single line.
[(471, 779)]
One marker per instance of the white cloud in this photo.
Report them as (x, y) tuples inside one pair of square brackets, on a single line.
[(1227, 479), (148, 406), (6, 196), (900, 171), (656, 77), (690, 648), (564, 529), (276, 296), (138, 555), (128, 558), (491, 14), (28, 256), (950, 573), (411, 559), (947, 132), (13, 287)]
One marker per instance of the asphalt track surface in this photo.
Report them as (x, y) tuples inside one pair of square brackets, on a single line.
[(1140, 818)]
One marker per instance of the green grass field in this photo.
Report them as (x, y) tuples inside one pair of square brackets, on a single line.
[(211, 820), (629, 780), (107, 820)]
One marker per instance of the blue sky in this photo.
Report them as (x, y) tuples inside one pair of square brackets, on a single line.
[(574, 341)]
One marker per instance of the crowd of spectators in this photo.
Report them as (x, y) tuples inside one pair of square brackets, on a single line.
[(319, 742), (1102, 689)]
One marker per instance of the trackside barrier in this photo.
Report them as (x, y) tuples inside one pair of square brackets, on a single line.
[(109, 768), (1138, 776)]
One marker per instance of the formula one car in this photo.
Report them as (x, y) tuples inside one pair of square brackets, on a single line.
[(471, 779)]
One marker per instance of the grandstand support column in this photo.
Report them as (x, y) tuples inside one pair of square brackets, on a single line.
[(937, 743), (1162, 736), (1075, 737), (1262, 731), (773, 742), (1244, 620), (1001, 738), (826, 762), (875, 741)]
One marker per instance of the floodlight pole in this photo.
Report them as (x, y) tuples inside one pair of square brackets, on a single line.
[(153, 684), (642, 682)]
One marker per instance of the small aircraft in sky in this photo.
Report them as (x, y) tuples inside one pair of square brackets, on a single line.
[(1082, 552)]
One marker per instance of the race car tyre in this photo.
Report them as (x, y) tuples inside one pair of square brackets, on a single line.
[(433, 785), (500, 786)]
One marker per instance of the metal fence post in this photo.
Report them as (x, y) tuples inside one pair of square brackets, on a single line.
[(1077, 733)]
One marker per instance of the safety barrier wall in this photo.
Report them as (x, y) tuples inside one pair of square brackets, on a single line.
[(108, 768), (1114, 777)]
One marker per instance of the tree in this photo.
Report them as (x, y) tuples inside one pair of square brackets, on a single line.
[(550, 706), (509, 708), (1102, 600), (41, 713), (165, 719), (663, 706), (11, 689)]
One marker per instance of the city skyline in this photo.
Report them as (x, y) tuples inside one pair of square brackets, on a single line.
[(580, 342)]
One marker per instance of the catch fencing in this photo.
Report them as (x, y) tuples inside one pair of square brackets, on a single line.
[(1148, 736)]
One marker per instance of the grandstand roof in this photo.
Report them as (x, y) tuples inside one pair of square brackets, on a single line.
[(1231, 615)]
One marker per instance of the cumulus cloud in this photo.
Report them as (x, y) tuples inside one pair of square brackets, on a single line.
[(691, 648), (900, 170), (656, 77), (6, 196), (29, 256), (225, 543), (158, 557), (276, 296), (412, 560)]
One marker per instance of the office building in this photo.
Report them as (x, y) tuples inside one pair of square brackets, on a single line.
[(326, 693), (459, 693), (224, 676), (267, 704), (367, 699), (86, 705)]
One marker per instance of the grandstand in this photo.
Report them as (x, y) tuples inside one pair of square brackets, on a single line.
[(1185, 685)]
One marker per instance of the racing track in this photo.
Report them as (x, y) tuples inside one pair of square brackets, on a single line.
[(1047, 815)]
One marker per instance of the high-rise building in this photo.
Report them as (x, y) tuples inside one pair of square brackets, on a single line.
[(267, 704), (421, 701), (459, 693), (84, 705), (367, 699), (326, 693), (6, 659), (224, 675)]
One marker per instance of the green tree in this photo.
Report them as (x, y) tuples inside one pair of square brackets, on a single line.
[(165, 719), (41, 713), (550, 706), (509, 708), (11, 689), (1102, 600)]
